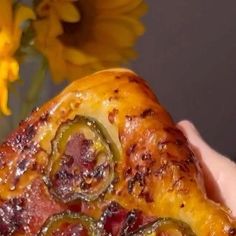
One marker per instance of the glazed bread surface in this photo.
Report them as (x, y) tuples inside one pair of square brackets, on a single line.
[(155, 171)]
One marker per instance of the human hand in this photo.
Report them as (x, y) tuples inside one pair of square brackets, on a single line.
[(219, 171)]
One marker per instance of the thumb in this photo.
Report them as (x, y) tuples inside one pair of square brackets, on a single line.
[(219, 171)]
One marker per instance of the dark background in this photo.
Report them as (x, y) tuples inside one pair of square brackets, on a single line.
[(188, 56)]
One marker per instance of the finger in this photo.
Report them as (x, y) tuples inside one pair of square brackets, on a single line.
[(201, 150), (219, 171)]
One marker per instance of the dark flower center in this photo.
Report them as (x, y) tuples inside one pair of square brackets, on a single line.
[(77, 34)]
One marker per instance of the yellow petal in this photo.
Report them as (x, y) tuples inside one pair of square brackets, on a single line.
[(120, 31), (112, 4), (67, 12), (5, 43), (55, 28), (52, 49), (116, 34), (76, 72), (41, 29), (6, 14), (43, 8), (4, 98), (54, 55), (3, 70), (22, 14), (103, 51), (134, 25), (78, 57), (46, 30), (126, 8), (13, 70), (128, 54), (58, 74), (139, 11), (9, 69)]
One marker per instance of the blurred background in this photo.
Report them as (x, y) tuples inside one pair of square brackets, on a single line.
[(188, 56)]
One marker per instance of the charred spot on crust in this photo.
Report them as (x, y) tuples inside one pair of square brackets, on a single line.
[(131, 149), (177, 142), (22, 122), (12, 216), (22, 165), (35, 109), (139, 178), (2, 161), (29, 133), (133, 79), (147, 112), (116, 91), (179, 137), (161, 145), (177, 182), (128, 172), (147, 196), (173, 137), (21, 168), (146, 156), (44, 117), (23, 137), (162, 170), (232, 232), (115, 97), (191, 159), (183, 165), (130, 118), (112, 115)]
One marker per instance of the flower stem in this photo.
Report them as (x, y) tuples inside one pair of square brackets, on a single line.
[(34, 91)]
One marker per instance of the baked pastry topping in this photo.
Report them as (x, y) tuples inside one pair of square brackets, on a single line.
[(104, 158)]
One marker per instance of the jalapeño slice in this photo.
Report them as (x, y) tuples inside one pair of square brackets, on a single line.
[(81, 166), (164, 226), (68, 223)]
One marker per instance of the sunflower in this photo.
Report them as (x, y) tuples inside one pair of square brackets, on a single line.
[(80, 36), (10, 36)]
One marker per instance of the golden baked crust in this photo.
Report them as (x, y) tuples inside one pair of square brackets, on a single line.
[(155, 171)]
